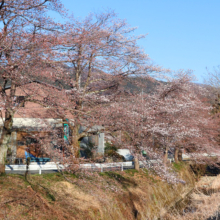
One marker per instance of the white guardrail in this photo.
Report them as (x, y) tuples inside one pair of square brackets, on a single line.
[(56, 166), (34, 166)]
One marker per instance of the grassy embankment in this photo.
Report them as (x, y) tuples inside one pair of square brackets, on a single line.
[(110, 195), (203, 202)]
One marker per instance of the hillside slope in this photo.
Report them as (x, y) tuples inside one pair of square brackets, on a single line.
[(124, 195)]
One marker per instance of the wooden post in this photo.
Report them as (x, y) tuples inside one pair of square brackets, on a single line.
[(136, 164), (180, 153)]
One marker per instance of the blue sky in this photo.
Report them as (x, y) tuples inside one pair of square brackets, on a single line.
[(182, 34)]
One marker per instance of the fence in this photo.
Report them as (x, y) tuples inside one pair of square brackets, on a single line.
[(107, 166), (36, 167)]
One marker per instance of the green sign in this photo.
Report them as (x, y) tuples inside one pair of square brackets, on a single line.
[(66, 132)]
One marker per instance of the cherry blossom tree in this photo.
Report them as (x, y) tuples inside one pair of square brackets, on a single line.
[(81, 66), (183, 114), (173, 118), (213, 79), (25, 39), (99, 51), (87, 59)]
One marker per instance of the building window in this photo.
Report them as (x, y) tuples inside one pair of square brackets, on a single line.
[(30, 141)]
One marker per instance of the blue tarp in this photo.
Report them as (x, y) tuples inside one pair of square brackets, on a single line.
[(36, 159), (29, 155)]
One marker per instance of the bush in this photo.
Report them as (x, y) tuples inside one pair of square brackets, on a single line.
[(199, 169), (111, 151)]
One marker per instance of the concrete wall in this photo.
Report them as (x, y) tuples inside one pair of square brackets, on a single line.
[(101, 144), (97, 140)]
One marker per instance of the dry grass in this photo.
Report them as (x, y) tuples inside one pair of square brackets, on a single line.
[(107, 196), (202, 207), (18, 200), (204, 202)]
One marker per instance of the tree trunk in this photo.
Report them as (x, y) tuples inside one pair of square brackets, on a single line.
[(2, 169), (180, 155), (165, 155), (76, 136), (5, 139), (7, 127), (76, 146), (176, 153)]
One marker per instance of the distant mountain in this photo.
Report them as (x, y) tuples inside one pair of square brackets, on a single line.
[(139, 84)]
